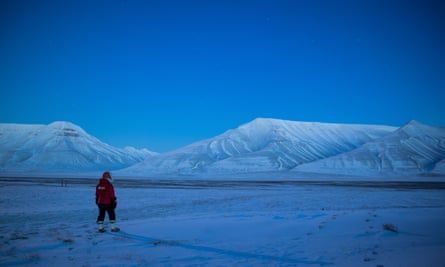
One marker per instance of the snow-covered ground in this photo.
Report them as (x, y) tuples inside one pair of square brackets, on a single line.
[(223, 224)]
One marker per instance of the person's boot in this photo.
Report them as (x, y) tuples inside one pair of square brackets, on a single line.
[(113, 227), (101, 227)]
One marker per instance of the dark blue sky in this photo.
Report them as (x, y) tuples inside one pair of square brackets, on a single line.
[(163, 74)]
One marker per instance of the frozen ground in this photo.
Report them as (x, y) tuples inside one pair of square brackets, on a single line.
[(199, 223)]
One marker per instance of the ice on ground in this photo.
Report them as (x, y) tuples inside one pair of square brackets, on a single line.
[(274, 225)]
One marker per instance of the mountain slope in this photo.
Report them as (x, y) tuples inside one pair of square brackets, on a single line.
[(263, 145), (413, 148), (260, 145), (59, 146)]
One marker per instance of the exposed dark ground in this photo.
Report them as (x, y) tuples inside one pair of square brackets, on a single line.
[(171, 183)]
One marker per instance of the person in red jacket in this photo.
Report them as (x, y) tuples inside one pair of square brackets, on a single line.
[(106, 201)]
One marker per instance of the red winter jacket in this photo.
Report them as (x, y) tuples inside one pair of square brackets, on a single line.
[(105, 192)]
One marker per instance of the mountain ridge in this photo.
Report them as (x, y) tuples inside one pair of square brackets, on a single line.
[(261, 145), (412, 148), (59, 146)]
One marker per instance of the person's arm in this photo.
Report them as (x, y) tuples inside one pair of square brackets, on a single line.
[(97, 196), (112, 196)]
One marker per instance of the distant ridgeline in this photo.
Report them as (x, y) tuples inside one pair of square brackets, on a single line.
[(262, 145)]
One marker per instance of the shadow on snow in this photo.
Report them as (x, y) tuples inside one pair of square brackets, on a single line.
[(239, 254)]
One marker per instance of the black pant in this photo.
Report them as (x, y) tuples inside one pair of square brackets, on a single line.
[(109, 208)]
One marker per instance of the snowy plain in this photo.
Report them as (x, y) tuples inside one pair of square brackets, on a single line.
[(226, 223)]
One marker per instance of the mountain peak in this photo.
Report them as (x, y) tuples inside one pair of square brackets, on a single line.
[(264, 145), (59, 146), (63, 125), (414, 127), (67, 129), (260, 121), (413, 123), (417, 123), (268, 123), (413, 148)]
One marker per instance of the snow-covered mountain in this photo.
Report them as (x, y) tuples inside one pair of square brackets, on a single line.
[(414, 148), (60, 146), (263, 145)]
